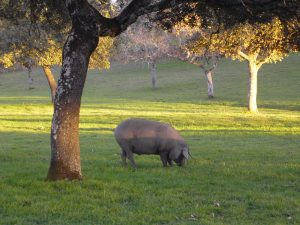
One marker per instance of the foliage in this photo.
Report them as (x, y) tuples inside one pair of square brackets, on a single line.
[(244, 170), (7, 60), (39, 44), (100, 57), (52, 14), (230, 12), (292, 31), (29, 57), (29, 44), (188, 32), (259, 42)]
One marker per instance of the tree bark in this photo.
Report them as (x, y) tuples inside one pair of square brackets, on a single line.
[(153, 72), (30, 79), (65, 158), (65, 148), (252, 87), (51, 81), (210, 85)]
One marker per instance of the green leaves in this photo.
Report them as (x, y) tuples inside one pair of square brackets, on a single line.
[(261, 42)]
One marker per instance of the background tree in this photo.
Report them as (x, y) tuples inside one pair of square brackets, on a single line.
[(187, 32), (46, 57), (207, 62), (22, 44), (37, 48), (257, 43), (49, 56), (144, 42)]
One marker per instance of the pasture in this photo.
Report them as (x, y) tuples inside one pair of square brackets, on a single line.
[(245, 167)]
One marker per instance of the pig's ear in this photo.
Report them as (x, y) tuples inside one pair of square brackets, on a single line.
[(185, 152), (174, 154)]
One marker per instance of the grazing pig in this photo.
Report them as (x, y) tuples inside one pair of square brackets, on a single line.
[(141, 136)]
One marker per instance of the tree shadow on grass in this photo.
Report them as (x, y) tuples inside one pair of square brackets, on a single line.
[(97, 129), (12, 118), (281, 106)]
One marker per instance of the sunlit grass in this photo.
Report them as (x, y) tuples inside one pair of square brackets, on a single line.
[(245, 167)]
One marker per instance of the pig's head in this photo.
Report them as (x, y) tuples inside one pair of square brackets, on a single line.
[(180, 155)]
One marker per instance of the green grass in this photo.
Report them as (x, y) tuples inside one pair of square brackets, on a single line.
[(245, 168)]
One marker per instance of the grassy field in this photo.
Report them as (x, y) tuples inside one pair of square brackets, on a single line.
[(245, 168)]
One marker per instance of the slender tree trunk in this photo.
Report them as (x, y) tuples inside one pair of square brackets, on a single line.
[(153, 72), (51, 81), (30, 79), (210, 85), (252, 87)]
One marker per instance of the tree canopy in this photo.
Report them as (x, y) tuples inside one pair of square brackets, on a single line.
[(265, 42), (55, 12)]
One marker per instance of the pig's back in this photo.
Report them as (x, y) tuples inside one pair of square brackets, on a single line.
[(140, 128)]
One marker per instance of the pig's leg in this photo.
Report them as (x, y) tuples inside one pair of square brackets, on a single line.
[(170, 161), (129, 155), (163, 157), (123, 157), (131, 159)]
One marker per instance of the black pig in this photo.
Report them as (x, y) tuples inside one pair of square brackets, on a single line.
[(141, 136)]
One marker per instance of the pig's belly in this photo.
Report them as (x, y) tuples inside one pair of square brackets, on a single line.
[(145, 146)]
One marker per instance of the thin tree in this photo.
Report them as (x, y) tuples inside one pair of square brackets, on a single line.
[(207, 62)]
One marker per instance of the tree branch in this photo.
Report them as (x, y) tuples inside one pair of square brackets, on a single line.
[(215, 59), (131, 13), (242, 54), (261, 62)]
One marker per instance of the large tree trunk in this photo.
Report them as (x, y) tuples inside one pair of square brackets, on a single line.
[(65, 158), (65, 148), (153, 72), (252, 87), (51, 81), (87, 25), (210, 85), (30, 79)]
